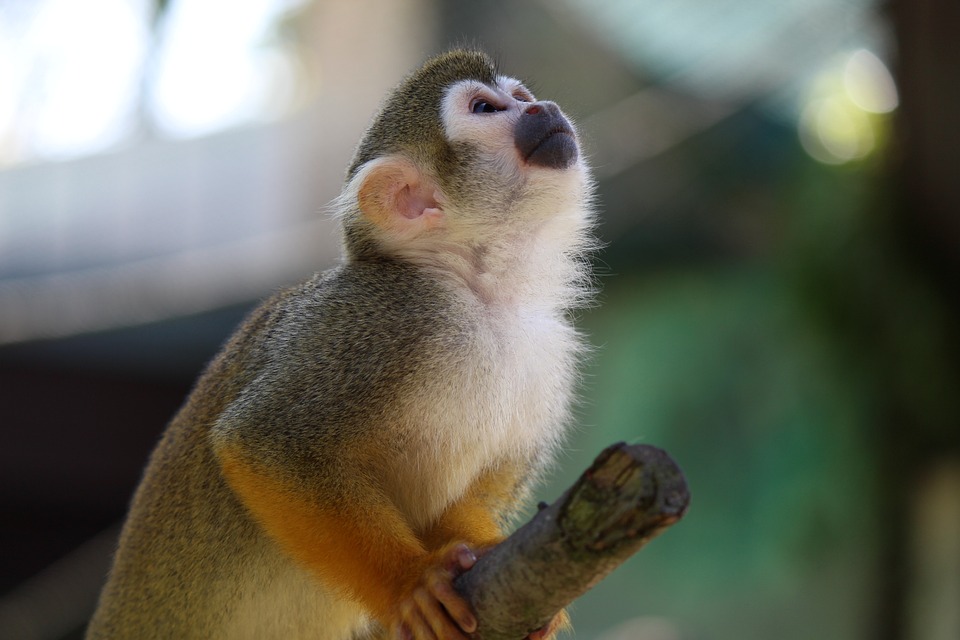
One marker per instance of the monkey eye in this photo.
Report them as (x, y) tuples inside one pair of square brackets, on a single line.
[(482, 106)]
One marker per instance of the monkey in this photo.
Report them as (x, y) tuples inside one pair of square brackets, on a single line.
[(366, 434)]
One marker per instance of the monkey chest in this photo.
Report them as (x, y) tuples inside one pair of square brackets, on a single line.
[(512, 385), (503, 400)]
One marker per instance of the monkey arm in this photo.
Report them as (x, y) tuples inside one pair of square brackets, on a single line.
[(467, 522), (359, 545), (473, 518)]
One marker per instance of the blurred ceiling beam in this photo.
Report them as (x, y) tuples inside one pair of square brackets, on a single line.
[(168, 228)]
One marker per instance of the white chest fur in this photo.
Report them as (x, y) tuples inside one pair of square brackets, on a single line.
[(504, 399)]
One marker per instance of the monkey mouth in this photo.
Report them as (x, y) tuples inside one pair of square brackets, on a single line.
[(557, 149)]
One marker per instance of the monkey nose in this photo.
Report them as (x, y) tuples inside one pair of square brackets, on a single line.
[(545, 107), (544, 137)]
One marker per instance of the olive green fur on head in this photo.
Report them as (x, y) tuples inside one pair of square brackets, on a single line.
[(409, 121), (409, 126)]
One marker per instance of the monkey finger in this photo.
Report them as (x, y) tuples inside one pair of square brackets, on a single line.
[(431, 611), (417, 627), (466, 557), (401, 632), (407, 623), (458, 558), (457, 608)]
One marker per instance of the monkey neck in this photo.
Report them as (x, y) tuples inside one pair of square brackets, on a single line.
[(543, 267)]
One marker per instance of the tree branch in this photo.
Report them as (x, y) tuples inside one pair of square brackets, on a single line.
[(629, 495)]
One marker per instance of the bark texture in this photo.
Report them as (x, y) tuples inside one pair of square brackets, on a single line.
[(630, 494)]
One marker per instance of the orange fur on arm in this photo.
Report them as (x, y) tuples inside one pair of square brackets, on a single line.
[(361, 546), (467, 522), (474, 517)]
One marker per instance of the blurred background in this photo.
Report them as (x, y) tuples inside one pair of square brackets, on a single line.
[(780, 197)]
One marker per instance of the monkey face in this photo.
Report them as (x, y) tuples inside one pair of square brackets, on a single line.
[(508, 151), (505, 119)]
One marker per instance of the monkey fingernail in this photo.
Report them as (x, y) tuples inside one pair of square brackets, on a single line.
[(467, 558), (468, 623)]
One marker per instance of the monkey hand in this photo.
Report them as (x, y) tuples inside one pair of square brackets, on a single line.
[(433, 610), (549, 631)]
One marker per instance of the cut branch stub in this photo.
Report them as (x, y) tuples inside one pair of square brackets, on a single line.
[(628, 495)]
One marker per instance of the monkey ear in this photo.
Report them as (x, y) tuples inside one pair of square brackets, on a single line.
[(395, 195)]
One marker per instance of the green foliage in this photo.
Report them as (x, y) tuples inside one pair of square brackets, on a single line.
[(726, 371)]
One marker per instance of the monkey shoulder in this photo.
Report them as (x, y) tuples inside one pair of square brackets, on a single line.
[(330, 355)]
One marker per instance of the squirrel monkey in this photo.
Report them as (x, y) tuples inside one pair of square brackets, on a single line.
[(364, 432)]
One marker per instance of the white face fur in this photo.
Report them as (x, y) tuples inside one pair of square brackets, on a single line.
[(488, 130), (485, 117)]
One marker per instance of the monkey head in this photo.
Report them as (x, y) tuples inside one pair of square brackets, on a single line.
[(461, 158)]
